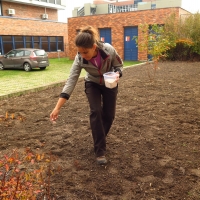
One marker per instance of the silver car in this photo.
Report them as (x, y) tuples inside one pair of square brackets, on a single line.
[(24, 58)]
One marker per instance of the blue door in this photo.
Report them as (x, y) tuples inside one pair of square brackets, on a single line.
[(105, 35), (130, 46)]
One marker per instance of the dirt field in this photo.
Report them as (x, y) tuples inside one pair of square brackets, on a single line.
[(153, 147)]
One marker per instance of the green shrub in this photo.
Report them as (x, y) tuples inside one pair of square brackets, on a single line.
[(185, 32), (177, 39)]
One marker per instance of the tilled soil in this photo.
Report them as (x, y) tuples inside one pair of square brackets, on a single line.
[(153, 147)]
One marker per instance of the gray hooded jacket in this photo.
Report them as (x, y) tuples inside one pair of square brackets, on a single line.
[(110, 62)]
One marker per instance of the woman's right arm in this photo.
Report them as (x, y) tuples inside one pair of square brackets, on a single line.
[(56, 110), (68, 88)]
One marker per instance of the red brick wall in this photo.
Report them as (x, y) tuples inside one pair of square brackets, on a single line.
[(13, 26), (27, 11), (117, 22)]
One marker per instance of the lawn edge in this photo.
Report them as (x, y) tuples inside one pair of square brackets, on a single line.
[(51, 85)]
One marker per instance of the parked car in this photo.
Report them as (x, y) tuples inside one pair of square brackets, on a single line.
[(24, 58)]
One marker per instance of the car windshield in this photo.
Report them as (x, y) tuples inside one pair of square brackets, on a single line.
[(40, 53)]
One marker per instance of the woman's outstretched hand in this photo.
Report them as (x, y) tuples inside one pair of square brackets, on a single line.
[(54, 115), (56, 110)]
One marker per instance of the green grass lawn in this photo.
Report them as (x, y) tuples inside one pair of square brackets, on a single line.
[(12, 81)]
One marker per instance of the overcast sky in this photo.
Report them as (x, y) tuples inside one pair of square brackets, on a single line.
[(70, 5), (191, 5)]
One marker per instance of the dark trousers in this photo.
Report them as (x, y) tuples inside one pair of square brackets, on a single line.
[(102, 103)]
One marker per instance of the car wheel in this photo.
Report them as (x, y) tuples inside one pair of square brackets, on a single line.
[(1, 66), (42, 68), (27, 67)]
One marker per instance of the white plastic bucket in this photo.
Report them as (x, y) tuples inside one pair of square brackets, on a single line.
[(110, 79)]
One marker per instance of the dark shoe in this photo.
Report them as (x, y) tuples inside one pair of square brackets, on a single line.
[(101, 160)]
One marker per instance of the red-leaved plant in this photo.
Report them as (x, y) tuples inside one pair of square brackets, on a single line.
[(25, 176)]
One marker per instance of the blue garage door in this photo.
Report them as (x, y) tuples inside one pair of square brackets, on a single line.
[(105, 35), (130, 46)]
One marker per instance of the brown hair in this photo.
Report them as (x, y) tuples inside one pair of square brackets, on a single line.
[(87, 37)]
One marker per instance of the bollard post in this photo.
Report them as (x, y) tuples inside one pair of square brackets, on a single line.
[(58, 53)]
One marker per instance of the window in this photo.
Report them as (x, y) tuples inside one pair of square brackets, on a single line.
[(27, 53), (53, 46), (7, 38), (52, 1), (39, 53), (18, 41), (60, 43), (28, 42), (11, 53), (44, 39), (7, 43), (81, 12), (29, 45), (28, 38), (19, 45), (18, 38), (58, 2), (19, 53), (52, 39), (48, 43), (153, 6), (112, 8), (44, 43), (60, 46), (36, 43)]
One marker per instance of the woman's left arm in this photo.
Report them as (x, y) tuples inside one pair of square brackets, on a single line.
[(117, 63)]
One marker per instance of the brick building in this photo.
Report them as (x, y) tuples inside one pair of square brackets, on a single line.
[(33, 24), (120, 27)]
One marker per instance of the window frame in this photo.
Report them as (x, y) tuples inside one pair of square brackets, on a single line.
[(30, 41)]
